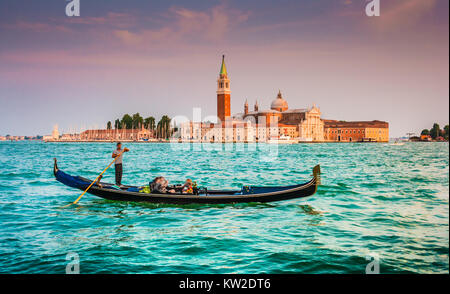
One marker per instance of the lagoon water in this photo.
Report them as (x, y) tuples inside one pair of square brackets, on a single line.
[(375, 200)]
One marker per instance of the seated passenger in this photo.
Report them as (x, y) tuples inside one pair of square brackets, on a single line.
[(159, 185), (187, 187)]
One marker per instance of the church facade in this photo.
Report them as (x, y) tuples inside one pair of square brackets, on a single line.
[(304, 124)]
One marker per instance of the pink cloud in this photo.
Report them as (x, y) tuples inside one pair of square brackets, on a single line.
[(121, 20), (38, 27), (185, 24), (178, 26), (144, 37), (111, 19)]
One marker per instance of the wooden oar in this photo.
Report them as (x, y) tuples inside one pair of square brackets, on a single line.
[(78, 199)]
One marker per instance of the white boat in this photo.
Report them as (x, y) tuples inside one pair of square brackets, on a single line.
[(301, 139), (397, 143), (282, 140)]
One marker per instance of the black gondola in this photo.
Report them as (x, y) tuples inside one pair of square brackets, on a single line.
[(204, 196)]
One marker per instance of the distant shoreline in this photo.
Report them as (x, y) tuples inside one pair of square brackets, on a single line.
[(197, 142), (194, 142)]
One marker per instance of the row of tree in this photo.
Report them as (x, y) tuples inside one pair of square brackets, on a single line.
[(436, 132), (136, 121)]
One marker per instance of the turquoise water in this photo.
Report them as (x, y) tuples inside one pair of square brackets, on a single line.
[(392, 201)]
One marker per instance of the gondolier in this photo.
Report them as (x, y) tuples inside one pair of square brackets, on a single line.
[(118, 163)]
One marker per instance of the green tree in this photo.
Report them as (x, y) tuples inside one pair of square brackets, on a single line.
[(434, 132), (163, 127), (425, 132), (446, 132), (108, 126), (117, 124), (149, 123), (126, 122), (137, 121)]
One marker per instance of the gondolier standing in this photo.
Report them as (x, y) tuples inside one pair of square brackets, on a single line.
[(118, 163)]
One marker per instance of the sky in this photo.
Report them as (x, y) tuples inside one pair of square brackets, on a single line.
[(163, 57)]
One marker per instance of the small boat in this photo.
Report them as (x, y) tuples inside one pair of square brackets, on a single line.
[(301, 139), (282, 140), (201, 195), (397, 143)]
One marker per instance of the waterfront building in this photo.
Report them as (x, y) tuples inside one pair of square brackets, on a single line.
[(54, 136), (356, 131), (425, 138), (55, 132), (116, 135), (228, 131), (288, 130), (70, 137), (15, 138)]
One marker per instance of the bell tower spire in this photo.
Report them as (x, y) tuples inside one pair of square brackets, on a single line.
[(223, 68), (223, 93)]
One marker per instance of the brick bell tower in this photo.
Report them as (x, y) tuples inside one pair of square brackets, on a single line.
[(223, 93)]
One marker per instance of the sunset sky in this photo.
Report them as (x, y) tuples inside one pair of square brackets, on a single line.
[(163, 57)]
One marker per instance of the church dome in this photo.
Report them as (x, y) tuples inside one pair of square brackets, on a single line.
[(279, 104)]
